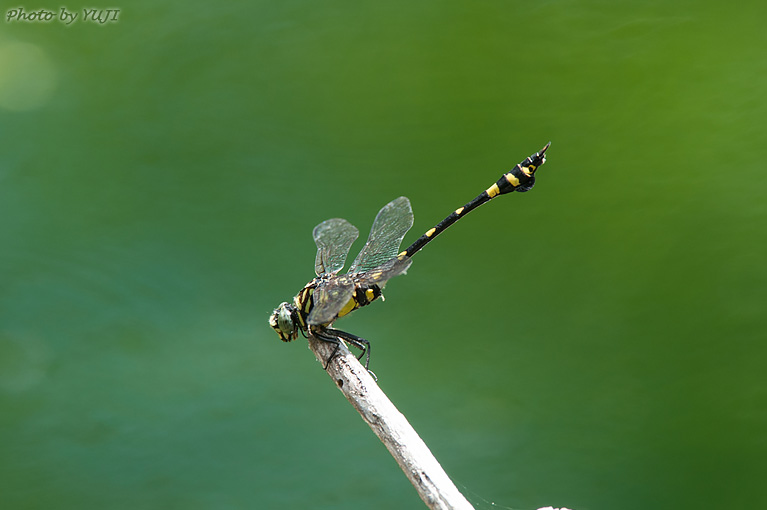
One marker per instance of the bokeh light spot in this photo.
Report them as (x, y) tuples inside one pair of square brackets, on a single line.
[(27, 77)]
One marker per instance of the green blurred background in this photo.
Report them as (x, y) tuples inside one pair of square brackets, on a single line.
[(596, 343)]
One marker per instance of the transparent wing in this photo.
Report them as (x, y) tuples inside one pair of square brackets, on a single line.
[(329, 298), (389, 228), (333, 237), (385, 271)]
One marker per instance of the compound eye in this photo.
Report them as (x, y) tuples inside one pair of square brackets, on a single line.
[(283, 323)]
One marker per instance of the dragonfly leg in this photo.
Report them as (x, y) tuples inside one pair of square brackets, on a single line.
[(358, 342), (333, 335), (329, 338)]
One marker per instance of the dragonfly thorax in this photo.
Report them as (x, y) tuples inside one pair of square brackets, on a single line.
[(290, 318)]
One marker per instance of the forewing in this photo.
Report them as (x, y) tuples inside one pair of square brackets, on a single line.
[(389, 228), (329, 298), (333, 237)]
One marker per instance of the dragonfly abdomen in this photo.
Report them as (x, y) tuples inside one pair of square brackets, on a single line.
[(363, 296), (520, 178)]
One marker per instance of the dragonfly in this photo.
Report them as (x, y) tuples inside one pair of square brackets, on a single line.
[(331, 295)]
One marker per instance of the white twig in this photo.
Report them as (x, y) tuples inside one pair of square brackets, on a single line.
[(391, 427)]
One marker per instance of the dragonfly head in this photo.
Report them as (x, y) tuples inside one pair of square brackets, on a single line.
[(284, 320)]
